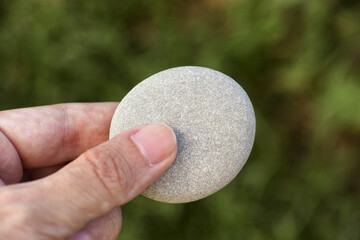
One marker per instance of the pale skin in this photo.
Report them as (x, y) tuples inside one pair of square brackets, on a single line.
[(60, 176)]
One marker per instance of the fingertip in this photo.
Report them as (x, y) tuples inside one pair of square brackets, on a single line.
[(155, 142)]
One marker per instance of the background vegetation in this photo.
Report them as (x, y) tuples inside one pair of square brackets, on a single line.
[(299, 61)]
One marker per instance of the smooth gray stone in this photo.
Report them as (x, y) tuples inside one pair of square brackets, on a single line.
[(214, 122)]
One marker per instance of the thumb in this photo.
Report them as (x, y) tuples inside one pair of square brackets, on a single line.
[(104, 177)]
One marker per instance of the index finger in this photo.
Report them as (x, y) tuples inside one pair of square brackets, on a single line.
[(50, 135)]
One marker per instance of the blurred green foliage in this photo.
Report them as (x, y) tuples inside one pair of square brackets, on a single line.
[(299, 61)]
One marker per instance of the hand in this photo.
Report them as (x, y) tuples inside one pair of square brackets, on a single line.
[(78, 199)]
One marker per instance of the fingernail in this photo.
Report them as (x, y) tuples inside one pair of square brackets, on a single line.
[(82, 235), (155, 141)]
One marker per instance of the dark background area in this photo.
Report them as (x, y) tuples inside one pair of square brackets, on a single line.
[(299, 61)]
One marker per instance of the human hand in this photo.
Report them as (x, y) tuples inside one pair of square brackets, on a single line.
[(78, 200)]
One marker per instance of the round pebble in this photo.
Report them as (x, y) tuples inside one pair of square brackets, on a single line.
[(214, 123)]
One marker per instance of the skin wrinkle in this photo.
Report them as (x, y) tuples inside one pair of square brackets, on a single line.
[(65, 131), (131, 148), (121, 176), (129, 172), (71, 135), (100, 179), (115, 165)]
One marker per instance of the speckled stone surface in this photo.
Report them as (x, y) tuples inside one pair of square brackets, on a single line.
[(214, 122)]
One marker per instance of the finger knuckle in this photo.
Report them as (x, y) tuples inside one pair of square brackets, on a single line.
[(111, 169)]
